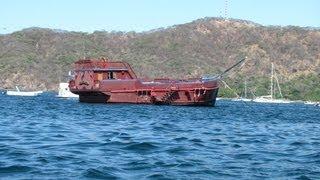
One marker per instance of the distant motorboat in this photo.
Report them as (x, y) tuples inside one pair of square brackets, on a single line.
[(312, 103), (64, 91), (23, 93)]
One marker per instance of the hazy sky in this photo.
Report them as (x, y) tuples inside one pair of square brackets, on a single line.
[(143, 15)]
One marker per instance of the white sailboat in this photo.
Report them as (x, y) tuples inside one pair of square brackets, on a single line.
[(270, 98), (245, 94), (64, 91), (23, 93)]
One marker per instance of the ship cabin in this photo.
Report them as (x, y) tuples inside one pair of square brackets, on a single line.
[(104, 69), (89, 73)]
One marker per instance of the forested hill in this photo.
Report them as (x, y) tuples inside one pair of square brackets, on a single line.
[(37, 58)]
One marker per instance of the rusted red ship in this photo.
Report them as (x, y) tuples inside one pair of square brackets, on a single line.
[(104, 81)]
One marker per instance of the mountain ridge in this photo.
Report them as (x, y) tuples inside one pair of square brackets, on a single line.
[(170, 26)]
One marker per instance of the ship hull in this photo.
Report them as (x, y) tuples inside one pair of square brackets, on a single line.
[(179, 98)]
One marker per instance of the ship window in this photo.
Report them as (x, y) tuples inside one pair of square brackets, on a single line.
[(144, 93), (100, 76), (110, 75)]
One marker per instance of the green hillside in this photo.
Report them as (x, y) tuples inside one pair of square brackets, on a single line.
[(37, 58)]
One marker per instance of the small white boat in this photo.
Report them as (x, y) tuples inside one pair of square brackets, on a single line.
[(64, 91), (242, 99), (312, 103), (23, 93)]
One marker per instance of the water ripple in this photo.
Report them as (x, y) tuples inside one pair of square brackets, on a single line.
[(49, 138)]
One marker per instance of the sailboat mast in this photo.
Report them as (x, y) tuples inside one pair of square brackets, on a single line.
[(245, 88), (277, 80), (271, 80)]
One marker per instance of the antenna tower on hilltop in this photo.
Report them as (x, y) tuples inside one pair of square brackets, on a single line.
[(225, 9)]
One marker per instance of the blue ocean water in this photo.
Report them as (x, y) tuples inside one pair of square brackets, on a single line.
[(48, 138)]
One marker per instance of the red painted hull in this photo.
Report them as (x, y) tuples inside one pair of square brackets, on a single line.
[(178, 98), (100, 86)]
